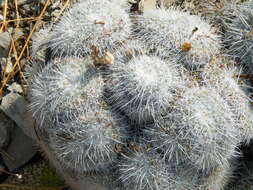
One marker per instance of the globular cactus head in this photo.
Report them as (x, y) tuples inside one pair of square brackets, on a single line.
[(226, 80), (64, 87), (211, 128), (200, 128), (141, 169), (89, 141), (239, 35), (143, 86), (216, 178), (210, 121), (173, 32), (90, 24)]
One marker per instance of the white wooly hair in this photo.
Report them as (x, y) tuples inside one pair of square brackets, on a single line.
[(90, 24), (40, 39)]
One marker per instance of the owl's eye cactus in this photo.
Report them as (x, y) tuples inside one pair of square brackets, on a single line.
[(173, 32), (63, 88), (144, 87), (162, 90), (101, 24), (239, 35)]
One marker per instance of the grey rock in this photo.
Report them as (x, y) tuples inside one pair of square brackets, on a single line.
[(4, 137), (6, 125), (15, 88), (6, 64), (2, 167), (21, 147), (5, 41), (20, 150), (15, 106)]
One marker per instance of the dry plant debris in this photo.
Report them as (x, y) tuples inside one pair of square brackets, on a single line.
[(19, 19)]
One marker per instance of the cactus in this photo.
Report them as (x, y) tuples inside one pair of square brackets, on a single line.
[(216, 178), (88, 142), (141, 84), (144, 87), (173, 32), (165, 112), (40, 53), (226, 82), (141, 169), (90, 24), (211, 10), (40, 39), (200, 128), (123, 3), (63, 88), (239, 35)]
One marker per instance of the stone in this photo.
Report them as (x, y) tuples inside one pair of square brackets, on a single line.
[(15, 106), (145, 5), (6, 125), (20, 150), (21, 147), (5, 41)]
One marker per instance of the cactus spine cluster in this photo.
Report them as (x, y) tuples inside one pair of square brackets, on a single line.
[(149, 101)]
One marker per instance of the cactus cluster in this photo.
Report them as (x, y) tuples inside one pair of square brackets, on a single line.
[(147, 102)]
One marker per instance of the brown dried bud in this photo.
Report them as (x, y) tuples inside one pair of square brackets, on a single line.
[(186, 46), (99, 22), (250, 33), (107, 59), (130, 52)]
